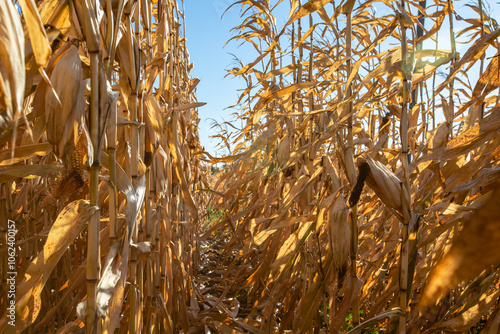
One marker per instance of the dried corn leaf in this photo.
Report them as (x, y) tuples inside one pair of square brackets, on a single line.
[(189, 106), (38, 37), (473, 251), (23, 152), (308, 8), (9, 173), (308, 305), (65, 229), (56, 14), (470, 317), (473, 54)]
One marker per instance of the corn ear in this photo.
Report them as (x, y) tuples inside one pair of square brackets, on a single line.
[(38, 37), (62, 119), (340, 233), (384, 183), (283, 153), (440, 137)]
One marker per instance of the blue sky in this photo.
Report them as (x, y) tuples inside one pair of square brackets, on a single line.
[(207, 32), (206, 35)]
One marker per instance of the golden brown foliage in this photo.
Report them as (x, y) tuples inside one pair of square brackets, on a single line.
[(358, 179), (99, 166), (342, 95)]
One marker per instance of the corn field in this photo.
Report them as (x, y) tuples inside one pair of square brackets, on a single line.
[(359, 195)]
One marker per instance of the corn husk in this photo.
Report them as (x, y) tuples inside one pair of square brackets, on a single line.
[(440, 137), (283, 153), (340, 233), (384, 183), (475, 249), (38, 37), (12, 71), (63, 119)]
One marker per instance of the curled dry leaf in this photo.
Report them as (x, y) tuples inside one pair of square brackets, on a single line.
[(472, 55), (308, 8), (189, 106), (68, 225), (108, 283), (179, 170), (9, 173), (38, 38)]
